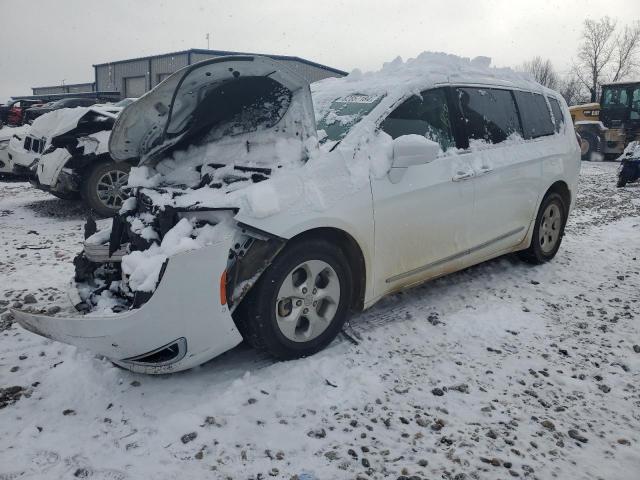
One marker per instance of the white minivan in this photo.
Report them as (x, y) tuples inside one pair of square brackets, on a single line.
[(267, 210)]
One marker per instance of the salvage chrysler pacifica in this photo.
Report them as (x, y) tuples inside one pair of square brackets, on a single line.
[(265, 209)]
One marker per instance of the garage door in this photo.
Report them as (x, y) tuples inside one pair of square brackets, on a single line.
[(135, 86)]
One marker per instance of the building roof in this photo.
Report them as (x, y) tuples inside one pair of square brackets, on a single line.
[(66, 85), (226, 52)]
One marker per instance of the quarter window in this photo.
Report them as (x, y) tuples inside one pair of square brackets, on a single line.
[(488, 114), (558, 118), (427, 115), (535, 114)]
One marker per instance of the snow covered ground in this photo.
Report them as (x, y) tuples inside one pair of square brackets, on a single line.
[(503, 370)]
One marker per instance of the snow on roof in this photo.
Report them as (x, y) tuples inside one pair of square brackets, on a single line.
[(584, 105), (398, 78)]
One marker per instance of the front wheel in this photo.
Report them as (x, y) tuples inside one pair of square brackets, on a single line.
[(300, 302), (548, 230), (105, 187), (68, 195)]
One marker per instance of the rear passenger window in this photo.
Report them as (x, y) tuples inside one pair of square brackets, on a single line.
[(488, 114), (426, 115), (535, 114), (558, 118)]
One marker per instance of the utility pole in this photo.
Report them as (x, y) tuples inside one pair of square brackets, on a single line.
[(207, 37)]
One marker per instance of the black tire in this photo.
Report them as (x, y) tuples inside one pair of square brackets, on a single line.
[(622, 181), (256, 316), (89, 188), (536, 254), (66, 195), (590, 145)]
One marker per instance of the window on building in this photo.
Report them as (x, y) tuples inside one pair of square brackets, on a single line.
[(535, 115), (488, 114), (427, 115)]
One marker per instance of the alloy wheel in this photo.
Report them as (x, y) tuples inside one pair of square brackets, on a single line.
[(307, 301), (112, 188), (550, 225)]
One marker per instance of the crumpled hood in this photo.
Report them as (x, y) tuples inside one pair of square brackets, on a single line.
[(218, 99), (59, 122)]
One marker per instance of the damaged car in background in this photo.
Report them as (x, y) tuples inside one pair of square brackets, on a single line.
[(65, 153), (249, 220)]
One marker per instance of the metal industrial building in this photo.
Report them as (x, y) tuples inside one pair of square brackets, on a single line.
[(134, 77), (68, 88)]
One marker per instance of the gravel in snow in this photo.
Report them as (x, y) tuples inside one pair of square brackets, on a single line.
[(503, 370)]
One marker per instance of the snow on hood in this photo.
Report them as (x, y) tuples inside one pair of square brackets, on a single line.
[(58, 122), (7, 133)]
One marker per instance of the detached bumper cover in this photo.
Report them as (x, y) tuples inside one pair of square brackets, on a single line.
[(184, 313)]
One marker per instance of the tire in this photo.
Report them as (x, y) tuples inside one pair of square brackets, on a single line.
[(271, 321), (622, 181), (589, 145), (95, 182), (551, 217), (70, 195)]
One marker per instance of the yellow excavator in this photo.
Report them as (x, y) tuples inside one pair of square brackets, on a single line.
[(606, 128)]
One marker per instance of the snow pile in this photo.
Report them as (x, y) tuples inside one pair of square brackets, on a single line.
[(631, 151), (398, 77), (143, 267)]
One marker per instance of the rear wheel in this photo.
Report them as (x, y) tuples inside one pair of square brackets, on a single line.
[(300, 303), (105, 187), (548, 230), (589, 144)]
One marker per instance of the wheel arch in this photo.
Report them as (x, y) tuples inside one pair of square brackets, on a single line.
[(561, 188), (348, 244)]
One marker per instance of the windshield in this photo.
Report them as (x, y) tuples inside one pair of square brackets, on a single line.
[(615, 97), (343, 114)]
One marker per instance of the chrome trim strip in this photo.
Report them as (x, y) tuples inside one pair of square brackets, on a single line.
[(452, 257)]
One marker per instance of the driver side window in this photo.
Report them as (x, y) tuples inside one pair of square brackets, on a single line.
[(426, 115)]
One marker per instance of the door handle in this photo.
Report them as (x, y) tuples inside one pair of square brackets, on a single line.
[(460, 176)]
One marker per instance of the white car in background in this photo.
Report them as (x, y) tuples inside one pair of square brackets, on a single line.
[(65, 152), (249, 220), (6, 134)]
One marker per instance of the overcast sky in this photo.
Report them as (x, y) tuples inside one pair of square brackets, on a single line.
[(43, 42)]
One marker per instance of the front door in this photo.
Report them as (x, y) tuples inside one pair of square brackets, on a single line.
[(422, 220)]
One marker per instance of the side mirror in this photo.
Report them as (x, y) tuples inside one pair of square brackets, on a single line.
[(411, 150)]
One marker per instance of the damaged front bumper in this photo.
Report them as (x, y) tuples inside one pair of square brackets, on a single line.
[(184, 323)]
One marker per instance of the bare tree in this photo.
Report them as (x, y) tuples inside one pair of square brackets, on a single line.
[(595, 53), (542, 71), (572, 90), (604, 56), (625, 53)]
